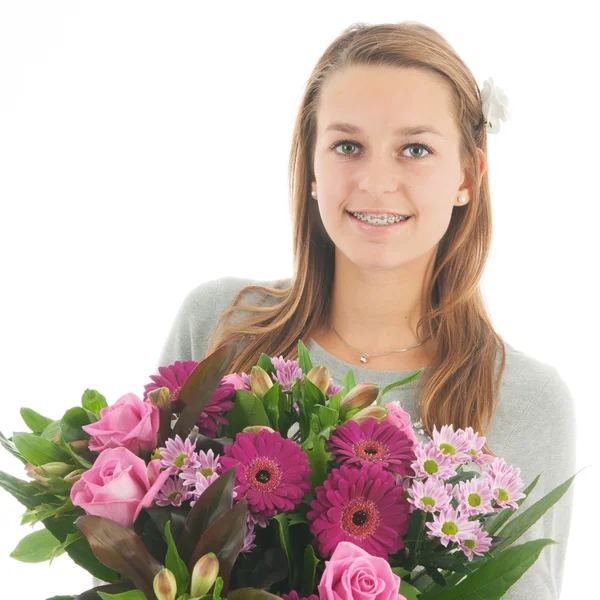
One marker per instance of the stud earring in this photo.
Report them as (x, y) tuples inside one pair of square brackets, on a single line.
[(314, 194), (462, 199)]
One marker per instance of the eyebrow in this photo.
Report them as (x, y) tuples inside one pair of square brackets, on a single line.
[(408, 130)]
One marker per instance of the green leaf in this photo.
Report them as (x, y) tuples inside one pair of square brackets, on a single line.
[(283, 533), (51, 431), (111, 588), (174, 563), (265, 362), (247, 410), (304, 360), (522, 522), (494, 577), (408, 591), (9, 447), (121, 549), (271, 405), (212, 504), (71, 423), (317, 459), (36, 547), (62, 598), (131, 595), (328, 418), (225, 537), (36, 422), (39, 451), (309, 569), (504, 515), (201, 385), (93, 401), (348, 381), (398, 383)]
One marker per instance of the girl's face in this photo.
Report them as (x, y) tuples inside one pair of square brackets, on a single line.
[(372, 166)]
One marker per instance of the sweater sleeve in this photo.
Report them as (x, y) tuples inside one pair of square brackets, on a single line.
[(193, 325), (544, 435)]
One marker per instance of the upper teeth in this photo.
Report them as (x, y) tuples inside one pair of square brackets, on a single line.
[(379, 218)]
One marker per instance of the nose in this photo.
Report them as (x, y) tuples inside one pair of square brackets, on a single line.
[(377, 179)]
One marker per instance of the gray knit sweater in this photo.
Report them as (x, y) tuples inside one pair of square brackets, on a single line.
[(533, 429)]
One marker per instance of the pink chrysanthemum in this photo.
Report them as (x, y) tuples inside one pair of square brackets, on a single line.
[(178, 454), (249, 536), (372, 442), (432, 462), (174, 376), (474, 496), (199, 478), (452, 443), (293, 595), (172, 493), (506, 485), (286, 372), (475, 443), (430, 496), (476, 543), (497, 466), (450, 526), (273, 472), (362, 506)]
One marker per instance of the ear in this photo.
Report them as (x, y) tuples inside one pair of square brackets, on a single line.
[(468, 181)]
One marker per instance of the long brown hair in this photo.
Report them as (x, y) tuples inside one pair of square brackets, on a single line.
[(459, 387)]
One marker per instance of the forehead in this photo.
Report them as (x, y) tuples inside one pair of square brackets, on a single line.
[(379, 99)]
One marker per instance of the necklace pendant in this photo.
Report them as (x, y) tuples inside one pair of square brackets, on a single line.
[(363, 358)]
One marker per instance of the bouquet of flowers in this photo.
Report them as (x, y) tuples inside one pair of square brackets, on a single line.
[(276, 484)]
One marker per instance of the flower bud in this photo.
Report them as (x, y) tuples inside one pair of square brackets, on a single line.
[(257, 429), (53, 469), (73, 476), (260, 382), (376, 412), (360, 396), (204, 574), (320, 377), (165, 585), (31, 472), (79, 445)]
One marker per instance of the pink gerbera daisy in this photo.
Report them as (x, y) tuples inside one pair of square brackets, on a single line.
[(273, 472), (372, 442), (450, 526), (452, 443), (506, 486), (432, 462), (478, 542), (474, 496), (362, 506), (293, 595), (286, 372), (174, 376), (172, 493), (430, 496)]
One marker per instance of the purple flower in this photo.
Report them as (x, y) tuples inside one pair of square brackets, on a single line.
[(476, 543), (286, 372), (474, 496), (333, 389), (362, 506), (293, 595), (432, 462), (273, 472), (177, 454), (505, 482), (201, 476), (451, 526), (430, 496), (172, 493), (372, 442)]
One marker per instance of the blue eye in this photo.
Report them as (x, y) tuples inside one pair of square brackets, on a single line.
[(351, 143)]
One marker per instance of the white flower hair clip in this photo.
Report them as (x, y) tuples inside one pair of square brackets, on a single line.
[(494, 104)]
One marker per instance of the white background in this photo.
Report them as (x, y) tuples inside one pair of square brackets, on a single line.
[(144, 149)]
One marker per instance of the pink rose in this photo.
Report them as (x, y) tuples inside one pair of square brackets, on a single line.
[(118, 486), (401, 419), (128, 423), (354, 574)]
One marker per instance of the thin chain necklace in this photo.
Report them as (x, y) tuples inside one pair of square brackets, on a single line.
[(364, 355), (418, 425)]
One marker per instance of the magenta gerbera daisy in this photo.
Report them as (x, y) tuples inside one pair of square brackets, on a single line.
[(451, 526), (362, 506), (476, 543), (293, 595), (273, 472), (430, 496), (372, 442), (474, 496), (286, 372)]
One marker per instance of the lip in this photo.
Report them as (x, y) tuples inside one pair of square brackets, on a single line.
[(378, 211), (377, 229)]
